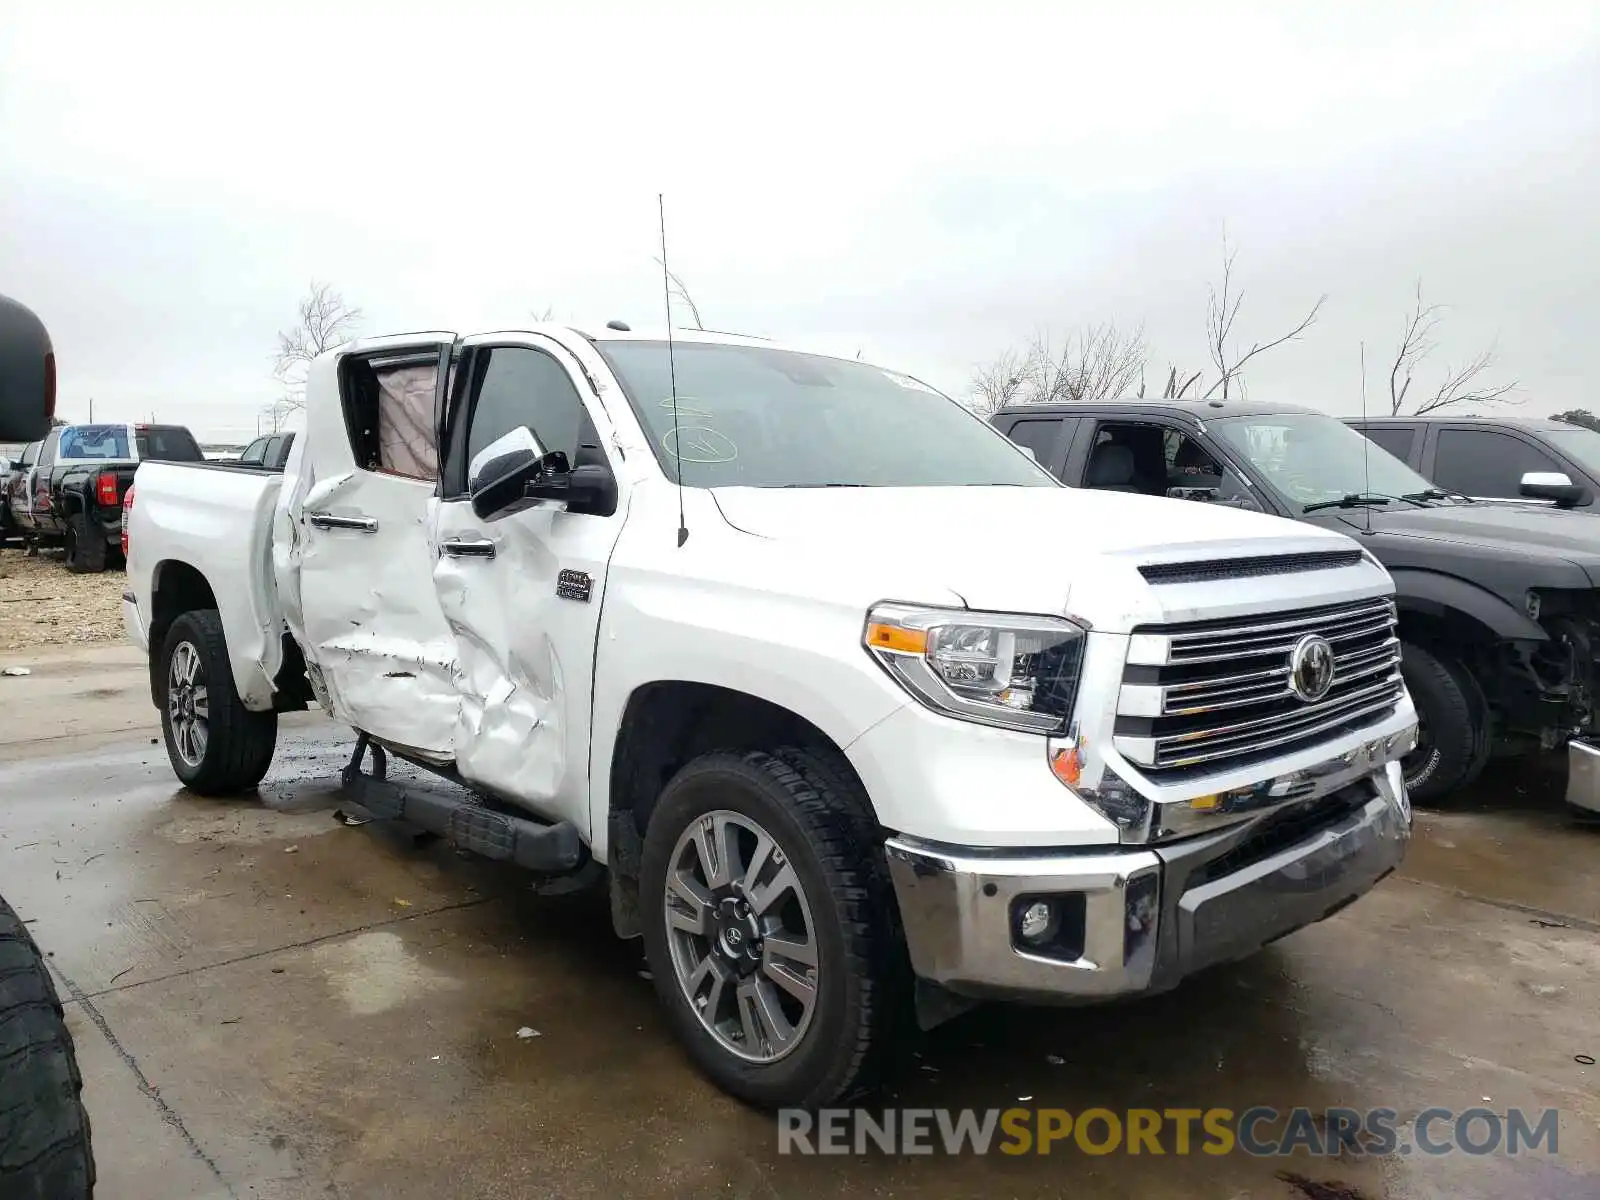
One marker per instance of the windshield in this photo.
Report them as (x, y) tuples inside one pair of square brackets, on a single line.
[(94, 442), (754, 416), (1580, 443), (1308, 458)]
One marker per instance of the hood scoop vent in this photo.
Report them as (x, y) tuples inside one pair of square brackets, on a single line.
[(1206, 570)]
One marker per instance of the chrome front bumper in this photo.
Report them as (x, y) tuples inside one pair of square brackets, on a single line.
[(1583, 777), (1137, 920)]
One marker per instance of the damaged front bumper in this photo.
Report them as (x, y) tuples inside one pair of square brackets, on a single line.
[(1069, 927)]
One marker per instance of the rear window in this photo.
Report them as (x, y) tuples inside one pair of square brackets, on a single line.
[(93, 442), (171, 443)]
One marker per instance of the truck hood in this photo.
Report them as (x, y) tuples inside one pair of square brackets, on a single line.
[(1048, 550), (1539, 540)]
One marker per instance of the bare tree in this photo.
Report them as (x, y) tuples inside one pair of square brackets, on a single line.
[(275, 415), (1462, 385), (677, 290), (1178, 383), (996, 384), (325, 321), (1098, 362), (1222, 311)]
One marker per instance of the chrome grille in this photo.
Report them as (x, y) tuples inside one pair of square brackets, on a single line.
[(1211, 695)]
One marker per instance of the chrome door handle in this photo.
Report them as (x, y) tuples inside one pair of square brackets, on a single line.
[(468, 548), (327, 520)]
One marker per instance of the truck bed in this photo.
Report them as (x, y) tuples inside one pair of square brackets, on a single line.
[(205, 525)]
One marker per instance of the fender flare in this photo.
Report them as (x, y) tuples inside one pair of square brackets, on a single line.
[(1437, 594), (73, 499)]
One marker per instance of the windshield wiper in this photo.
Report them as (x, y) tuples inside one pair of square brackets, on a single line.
[(1353, 500), (1437, 494)]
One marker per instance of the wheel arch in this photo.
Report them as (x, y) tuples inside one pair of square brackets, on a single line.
[(668, 723), (265, 681), (1445, 607)]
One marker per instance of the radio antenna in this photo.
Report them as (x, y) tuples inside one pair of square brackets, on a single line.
[(672, 365), (1366, 440)]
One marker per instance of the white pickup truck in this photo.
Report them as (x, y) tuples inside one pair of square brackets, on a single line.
[(855, 710)]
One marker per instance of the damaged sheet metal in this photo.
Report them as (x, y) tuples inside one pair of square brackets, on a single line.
[(370, 620), (354, 565), (524, 622)]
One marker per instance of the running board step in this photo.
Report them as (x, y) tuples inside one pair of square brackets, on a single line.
[(459, 819)]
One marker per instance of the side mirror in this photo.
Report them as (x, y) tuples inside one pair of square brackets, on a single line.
[(1028, 450), (1555, 486), (511, 473)]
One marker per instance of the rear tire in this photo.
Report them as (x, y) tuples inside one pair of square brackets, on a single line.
[(816, 818), (86, 546), (1453, 716), (45, 1151), (217, 746)]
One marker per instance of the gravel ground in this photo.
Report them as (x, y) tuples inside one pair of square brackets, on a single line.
[(43, 604)]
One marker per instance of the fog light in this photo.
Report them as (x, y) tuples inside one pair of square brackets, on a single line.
[(1037, 922)]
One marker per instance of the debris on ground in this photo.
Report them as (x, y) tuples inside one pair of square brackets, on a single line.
[(41, 604), (15, 672), (526, 1032), (1055, 1060)]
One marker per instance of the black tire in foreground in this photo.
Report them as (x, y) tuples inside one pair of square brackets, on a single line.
[(45, 1151), (216, 744), (86, 546), (1453, 716), (769, 926)]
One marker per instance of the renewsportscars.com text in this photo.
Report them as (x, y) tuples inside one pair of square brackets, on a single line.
[(1260, 1132)]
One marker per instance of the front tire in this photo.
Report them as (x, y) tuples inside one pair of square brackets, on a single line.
[(45, 1151), (1452, 715), (217, 746), (768, 925)]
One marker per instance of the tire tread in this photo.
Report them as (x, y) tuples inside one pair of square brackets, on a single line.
[(45, 1143)]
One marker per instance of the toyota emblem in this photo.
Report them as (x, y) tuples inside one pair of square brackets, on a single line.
[(1311, 668)]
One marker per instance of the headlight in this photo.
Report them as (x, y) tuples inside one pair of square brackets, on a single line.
[(1004, 669)]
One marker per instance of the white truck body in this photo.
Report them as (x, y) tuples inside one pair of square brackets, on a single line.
[(521, 650)]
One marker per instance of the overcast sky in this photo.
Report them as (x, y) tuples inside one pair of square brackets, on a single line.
[(926, 182)]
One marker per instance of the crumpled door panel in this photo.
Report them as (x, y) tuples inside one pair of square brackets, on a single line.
[(369, 620)]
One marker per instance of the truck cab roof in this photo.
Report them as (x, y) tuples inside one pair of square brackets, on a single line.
[(1187, 409)]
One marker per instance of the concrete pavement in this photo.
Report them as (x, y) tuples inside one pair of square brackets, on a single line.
[(270, 1004)]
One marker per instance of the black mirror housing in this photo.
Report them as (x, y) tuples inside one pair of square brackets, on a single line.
[(513, 482)]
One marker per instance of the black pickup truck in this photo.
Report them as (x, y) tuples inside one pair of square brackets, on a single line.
[(1520, 459), (82, 475), (1499, 612)]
